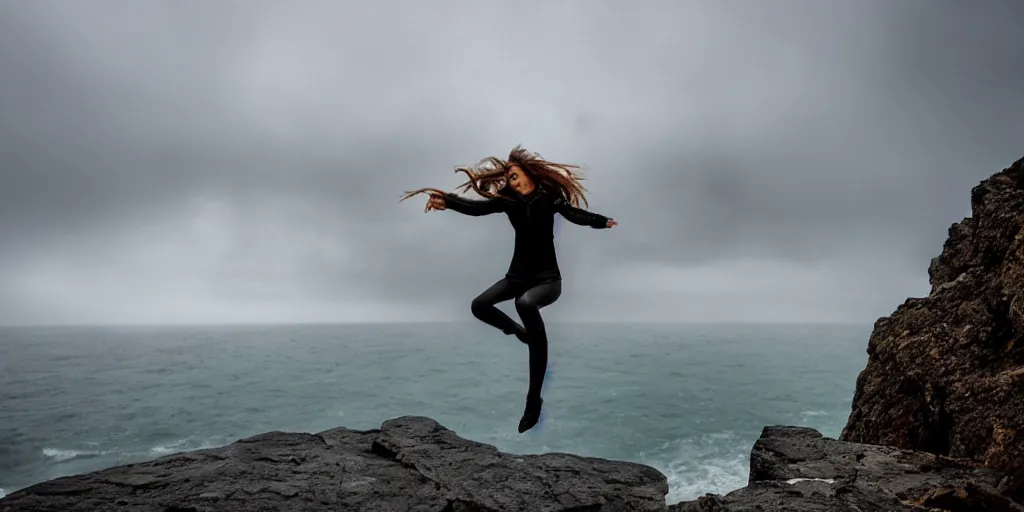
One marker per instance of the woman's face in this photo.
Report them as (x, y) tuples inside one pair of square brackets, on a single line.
[(519, 181)]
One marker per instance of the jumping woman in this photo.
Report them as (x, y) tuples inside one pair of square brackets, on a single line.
[(530, 191)]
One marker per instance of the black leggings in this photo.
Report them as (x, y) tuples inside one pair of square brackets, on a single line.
[(529, 301)]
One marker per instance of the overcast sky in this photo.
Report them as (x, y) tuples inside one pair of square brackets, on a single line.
[(230, 161)]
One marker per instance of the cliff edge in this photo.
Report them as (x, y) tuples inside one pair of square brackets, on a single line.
[(409, 464), (945, 373)]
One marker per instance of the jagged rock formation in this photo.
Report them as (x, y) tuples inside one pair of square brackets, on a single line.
[(414, 464), (945, 373), (410, 464), (796, 469)]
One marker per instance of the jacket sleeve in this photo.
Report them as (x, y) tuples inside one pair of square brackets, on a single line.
[(473, 207), (580, 216)]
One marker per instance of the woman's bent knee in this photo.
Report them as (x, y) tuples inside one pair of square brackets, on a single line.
[(478, 307)]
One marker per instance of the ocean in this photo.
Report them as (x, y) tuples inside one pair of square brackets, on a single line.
[(687, 399)]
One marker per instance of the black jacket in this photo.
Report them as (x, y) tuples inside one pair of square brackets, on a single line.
[(533, 218)]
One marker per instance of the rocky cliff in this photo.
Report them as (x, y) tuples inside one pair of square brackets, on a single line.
[(796, 469), (415, 464), (945, 373)]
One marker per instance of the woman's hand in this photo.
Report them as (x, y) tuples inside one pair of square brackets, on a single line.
[(611, 222), (436, 202)]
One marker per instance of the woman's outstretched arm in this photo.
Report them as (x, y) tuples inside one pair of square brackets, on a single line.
[(473, 207), (582, 217)]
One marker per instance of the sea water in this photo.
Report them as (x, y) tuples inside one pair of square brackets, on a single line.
[(689, 400)]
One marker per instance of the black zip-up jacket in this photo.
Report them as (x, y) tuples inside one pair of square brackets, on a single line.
[(533, 218)]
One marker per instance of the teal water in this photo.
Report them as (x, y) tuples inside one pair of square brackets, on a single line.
[(689, 400)]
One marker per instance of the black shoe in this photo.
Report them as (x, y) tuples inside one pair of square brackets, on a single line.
[(531, 415)]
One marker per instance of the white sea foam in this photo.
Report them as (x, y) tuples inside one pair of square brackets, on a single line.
[(2, 493), (713, 463), (60, 455), (689, 481), (185, 444), (792, 481), (810, 414), (172, 447), (180, 445)]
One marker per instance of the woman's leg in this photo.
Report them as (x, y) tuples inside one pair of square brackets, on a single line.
[(529, 305), (483, 308)]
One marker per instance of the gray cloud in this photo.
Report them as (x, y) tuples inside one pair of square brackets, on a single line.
[(242, 161)]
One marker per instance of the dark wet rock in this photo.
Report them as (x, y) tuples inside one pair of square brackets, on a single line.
[(796, 469), (415, 464), (945, 373), (410, 464)]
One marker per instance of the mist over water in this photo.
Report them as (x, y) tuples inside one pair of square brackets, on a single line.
[(689, 400)]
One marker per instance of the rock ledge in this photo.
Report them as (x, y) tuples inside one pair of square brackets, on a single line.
[(409, 464), (415, 464)]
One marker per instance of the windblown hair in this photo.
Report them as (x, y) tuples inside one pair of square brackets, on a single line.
[(489, 177)]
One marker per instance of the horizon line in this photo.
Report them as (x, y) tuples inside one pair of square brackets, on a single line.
[(421, 322)]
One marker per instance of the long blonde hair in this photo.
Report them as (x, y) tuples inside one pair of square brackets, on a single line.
[(490, 176)]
